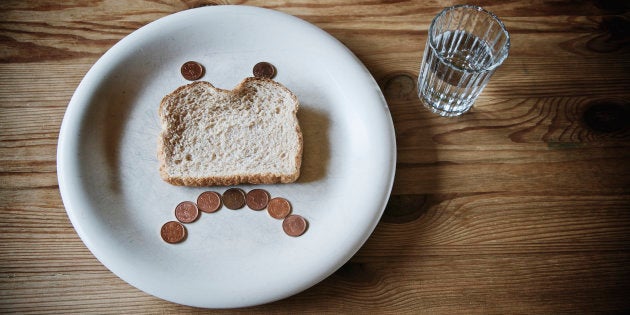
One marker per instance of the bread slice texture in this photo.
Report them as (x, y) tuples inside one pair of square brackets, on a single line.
[(216, 137)]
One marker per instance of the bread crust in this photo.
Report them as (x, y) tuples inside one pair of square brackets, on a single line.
[(262, 178)]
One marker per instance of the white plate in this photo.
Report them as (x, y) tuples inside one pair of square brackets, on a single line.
[(108, 170)]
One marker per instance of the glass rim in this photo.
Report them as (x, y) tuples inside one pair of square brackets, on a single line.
[(494, 17)]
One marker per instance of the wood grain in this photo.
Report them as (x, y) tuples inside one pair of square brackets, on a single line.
[(520, 206)]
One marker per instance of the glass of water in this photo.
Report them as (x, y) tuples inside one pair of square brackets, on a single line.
[(465, 46)]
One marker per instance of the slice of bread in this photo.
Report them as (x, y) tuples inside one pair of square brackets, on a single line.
[(212, 136)]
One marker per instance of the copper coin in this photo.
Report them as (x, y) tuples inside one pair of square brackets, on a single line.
[(186, 212), (279, 207), (173, 232), (264, 70), (209, 201), (192, 70), (294, 225), (257, 199), (234, 198)]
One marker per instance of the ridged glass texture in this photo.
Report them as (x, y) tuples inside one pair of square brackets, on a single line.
[(464, 47)]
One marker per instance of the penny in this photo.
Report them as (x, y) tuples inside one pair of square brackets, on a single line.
[(234, 198), (173, 232), (186, 212), (209, 201), (279, 207), (264, 70), (257, 199), (294, 225), (192, 70)]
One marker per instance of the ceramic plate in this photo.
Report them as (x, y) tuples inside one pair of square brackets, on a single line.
[(113, 194)]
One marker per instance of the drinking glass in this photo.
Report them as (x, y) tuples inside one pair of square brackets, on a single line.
[(465, 45)]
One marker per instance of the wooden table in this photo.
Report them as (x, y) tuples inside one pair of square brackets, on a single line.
[(520, 206)]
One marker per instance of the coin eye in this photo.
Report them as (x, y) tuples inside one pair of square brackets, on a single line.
[(192, 70), (264, 70)]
